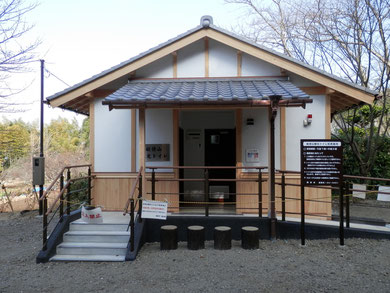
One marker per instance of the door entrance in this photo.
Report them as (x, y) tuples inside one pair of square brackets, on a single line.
[(220, 150)]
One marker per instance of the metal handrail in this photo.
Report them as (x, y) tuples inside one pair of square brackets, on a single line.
[(59, 176)]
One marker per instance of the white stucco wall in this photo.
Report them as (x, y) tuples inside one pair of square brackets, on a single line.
[(159, 130), (222, 60), (161, 68), (295, 131), (252, 66), (191, 60), (112, 139), (257, 136)]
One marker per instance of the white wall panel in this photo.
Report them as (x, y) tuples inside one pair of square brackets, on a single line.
[(191, 60), (222, 60), (112, 139), (295, 131), (257, 136), (159, 130), (301, 81), (161, 68), (252, 66)]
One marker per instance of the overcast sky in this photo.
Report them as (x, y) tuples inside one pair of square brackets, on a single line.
[(81, 38)]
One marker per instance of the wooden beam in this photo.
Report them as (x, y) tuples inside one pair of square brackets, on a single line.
[(175, 119), (283, 138), (141, 125), (328, 113), (174, 64), (128, 68), (133, 140), (291, 66), (206, 57), (239, 63), (92, 134), (238, 142)]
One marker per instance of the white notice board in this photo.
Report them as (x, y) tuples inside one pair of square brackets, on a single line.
[(152, 209)]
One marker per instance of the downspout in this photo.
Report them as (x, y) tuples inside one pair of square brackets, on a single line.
[(271, 210)]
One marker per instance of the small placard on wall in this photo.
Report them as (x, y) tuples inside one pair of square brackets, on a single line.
[(252, 156)]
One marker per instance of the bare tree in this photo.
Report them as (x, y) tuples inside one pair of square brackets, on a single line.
[(348, 38), (15, 52)]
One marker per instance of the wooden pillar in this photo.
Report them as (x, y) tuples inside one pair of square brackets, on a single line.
[(141, 125), (133, 140)]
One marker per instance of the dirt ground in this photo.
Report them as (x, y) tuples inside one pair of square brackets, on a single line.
[(281, 266)]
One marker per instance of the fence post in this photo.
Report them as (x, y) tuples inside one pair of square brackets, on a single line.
[(68, 193), (347, 191), (302, 213), (260, 195), (140, 199), (153, 185), (341, 213), (89, 185), (283, 197), (61, 197), (206, 192), (44, 215), (132, 225)]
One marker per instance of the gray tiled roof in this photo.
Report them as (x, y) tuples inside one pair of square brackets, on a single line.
[(194, 90)]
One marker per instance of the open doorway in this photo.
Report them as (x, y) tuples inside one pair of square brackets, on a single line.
[(207, 138), (220, 150)]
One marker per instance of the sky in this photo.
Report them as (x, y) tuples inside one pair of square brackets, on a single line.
[(81, 38)]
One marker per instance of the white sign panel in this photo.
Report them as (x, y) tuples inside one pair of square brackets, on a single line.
[(252, 156), (383, 196), (154, 209)]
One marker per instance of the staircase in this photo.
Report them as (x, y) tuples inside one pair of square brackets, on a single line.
[(95, 242)]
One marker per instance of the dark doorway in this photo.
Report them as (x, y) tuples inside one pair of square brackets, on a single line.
[(220, 150)]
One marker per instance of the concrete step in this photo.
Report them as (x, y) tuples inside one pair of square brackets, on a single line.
[(82, 226), (97, 236), (66, 257), (91, 248)]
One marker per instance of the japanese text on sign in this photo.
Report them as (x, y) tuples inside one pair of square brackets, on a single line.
[(154, 209), (321, 162)]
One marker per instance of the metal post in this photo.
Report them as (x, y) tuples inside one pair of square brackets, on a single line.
[(41, 131), (68, 193), (302, 213), (206, 192), (61, 197), (140, 200), (260, 190), (89, 185), (132, 225), (341, 229), (271, 169), (153, 185), (44, 218), (283, 197), (347, 191)]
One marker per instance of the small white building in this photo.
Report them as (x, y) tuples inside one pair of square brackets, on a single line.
[(206, 98)]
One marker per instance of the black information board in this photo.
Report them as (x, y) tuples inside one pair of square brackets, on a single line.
[(321, 162)]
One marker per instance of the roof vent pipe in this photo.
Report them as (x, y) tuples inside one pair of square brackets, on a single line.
[(206, 20)]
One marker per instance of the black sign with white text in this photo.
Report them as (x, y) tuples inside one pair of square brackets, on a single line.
[(321, 162)]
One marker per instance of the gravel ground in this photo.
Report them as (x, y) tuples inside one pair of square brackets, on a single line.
[(280, 266)]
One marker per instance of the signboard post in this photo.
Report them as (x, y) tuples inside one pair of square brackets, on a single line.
[(321, 164)]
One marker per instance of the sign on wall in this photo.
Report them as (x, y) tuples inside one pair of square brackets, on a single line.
[(152, 209), (252, 156), (321, 162), (157, 152)]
